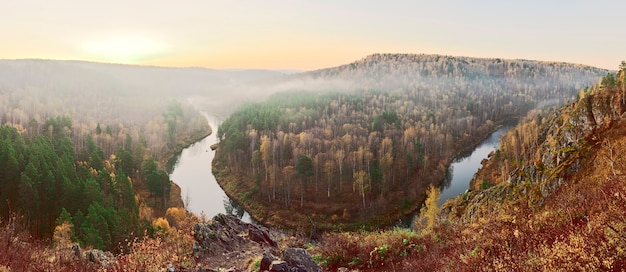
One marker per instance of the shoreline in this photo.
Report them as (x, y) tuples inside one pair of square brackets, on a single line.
[(385, 220), (176, 194)]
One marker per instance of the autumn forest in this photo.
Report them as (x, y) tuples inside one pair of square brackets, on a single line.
[(332, 160), (365, 156)]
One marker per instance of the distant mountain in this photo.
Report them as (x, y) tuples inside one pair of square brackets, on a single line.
[(220, 90), (91, 76)]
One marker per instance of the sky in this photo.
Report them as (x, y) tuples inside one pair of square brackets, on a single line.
[(309, 34)]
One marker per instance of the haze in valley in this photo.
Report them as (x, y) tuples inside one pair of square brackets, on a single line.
[(320, 123)]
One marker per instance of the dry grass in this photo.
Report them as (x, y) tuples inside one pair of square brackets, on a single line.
[(20, 252)]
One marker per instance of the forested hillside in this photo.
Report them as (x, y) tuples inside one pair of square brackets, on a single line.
[(387, 126), (555, 201), (85, 143)]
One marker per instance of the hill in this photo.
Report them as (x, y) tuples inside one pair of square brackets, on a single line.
[(557, 204), (356, 145)]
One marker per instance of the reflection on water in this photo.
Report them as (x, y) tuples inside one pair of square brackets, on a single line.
[(191, 170)]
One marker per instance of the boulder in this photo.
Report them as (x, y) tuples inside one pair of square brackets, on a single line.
[(260, 236), (266, 261), (77, 251), (279, 266), (300, 260), (100, 257)]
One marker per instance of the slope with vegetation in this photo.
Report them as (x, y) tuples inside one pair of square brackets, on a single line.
[(556, 204), (362, 152)]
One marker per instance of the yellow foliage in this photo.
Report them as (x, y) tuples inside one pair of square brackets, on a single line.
[(145, 212), (175, 216), (346, 214), (161, 223), (62, 236), (430, 210)]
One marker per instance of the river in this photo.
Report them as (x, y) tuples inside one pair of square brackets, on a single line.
[(191, 170), (462, 169)]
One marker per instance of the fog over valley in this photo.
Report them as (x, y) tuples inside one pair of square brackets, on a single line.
[(88, 151)]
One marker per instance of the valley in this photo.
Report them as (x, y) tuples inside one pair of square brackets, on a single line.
[(328, 160)]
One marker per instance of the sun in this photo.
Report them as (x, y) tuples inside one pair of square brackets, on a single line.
[(125, 49)]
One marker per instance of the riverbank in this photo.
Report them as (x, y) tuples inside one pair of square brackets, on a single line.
[(176, 194), (175, 199), (382, 213)]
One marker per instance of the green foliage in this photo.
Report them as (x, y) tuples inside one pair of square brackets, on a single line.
[(58, 125), (485, 184), (124, 161), (609, 81), (379, 254), (387, 118), (157, 180), (304, 166), (376, 176), (172, 115), (41, 180)]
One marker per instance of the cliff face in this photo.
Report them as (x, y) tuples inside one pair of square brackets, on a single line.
[(542, 154)]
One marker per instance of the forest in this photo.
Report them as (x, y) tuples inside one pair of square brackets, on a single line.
[(82, 148), (363, 155)]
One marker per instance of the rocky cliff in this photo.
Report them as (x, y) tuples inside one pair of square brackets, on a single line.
[(543, 153)]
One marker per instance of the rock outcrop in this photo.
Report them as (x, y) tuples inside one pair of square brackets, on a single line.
[(226, 233), (227, 242), (562, 140)]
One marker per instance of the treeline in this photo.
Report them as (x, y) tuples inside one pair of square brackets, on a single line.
[(536, 80), (352, 156), (46, 182)]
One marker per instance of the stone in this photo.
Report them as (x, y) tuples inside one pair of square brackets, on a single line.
[(76, 251), (279, 266), (99, 257), (260, 236), (225, 239), (266, 261), (300, 260)]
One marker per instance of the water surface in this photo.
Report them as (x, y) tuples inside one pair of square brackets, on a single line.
[(191, 170), (462, 169)]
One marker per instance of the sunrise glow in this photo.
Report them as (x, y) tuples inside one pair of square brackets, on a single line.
[(125, 49)]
